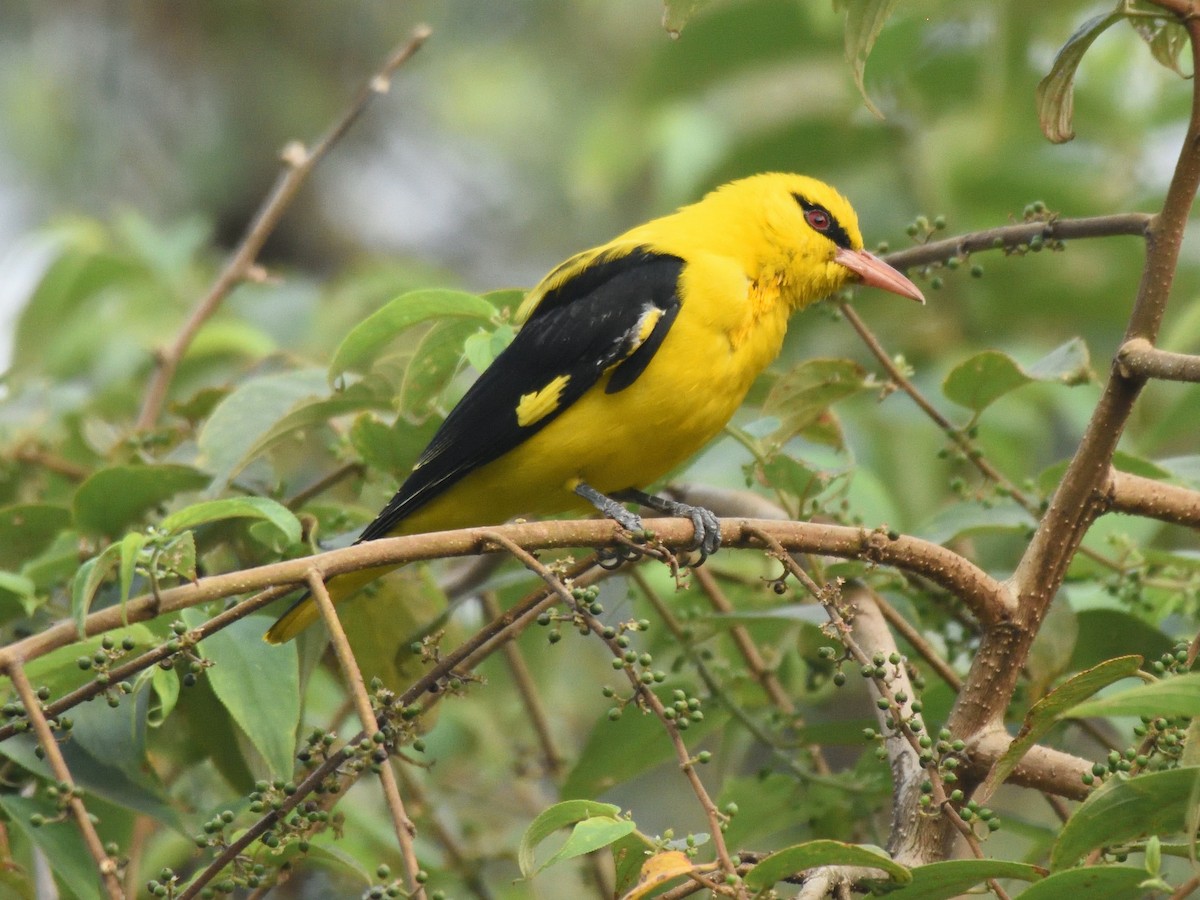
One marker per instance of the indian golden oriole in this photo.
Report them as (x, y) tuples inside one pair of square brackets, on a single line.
[(630, 357)]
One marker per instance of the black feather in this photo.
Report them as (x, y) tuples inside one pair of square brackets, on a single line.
[(580, 329)]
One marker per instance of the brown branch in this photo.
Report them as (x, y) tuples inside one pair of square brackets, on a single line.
[(463, 865), (871, 631), (41, 728), (241, 266), (405, 830), (983, 595), (321, 485), (1138, 496), (1042, 768), (1138, 358), (1011, 236), (527, 689)]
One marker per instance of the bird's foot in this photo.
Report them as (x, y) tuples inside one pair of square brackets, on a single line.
[(615, 556), (706, 526)]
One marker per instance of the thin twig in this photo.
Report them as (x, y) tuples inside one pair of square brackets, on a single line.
[(785, 755), (917, 641), (648, 697), (528, 692), (298, 164), (106, 866), (1007, 237), (321, 485), (405, 830), (466, 868)]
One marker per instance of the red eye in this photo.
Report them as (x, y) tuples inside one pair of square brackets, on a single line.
[(817, 218)]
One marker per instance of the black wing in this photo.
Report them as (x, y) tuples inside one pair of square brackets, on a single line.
[(615, 313)]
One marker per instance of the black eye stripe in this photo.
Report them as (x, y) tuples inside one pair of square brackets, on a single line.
[(835, 232)]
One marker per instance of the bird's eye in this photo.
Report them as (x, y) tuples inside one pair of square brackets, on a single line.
[(818, 219)]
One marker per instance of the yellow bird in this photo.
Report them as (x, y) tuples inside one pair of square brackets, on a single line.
[(630, 358)]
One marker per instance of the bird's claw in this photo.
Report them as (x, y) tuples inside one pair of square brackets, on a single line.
[(706, 535), (614, 557)]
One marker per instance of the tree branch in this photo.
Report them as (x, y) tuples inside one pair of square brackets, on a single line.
[(1042, 768), (1138, 496), (106, 866), (1007, 237), (1139, 359), (298, 164), (982, 594), (405, 830)]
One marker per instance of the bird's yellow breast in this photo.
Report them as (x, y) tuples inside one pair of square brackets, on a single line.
[(728, 330)]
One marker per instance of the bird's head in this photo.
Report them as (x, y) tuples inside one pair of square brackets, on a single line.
[(806, 234)]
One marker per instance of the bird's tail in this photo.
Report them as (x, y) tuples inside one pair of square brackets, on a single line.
[(305, 610)]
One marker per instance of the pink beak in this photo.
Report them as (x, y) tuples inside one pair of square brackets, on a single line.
[(873, 271)]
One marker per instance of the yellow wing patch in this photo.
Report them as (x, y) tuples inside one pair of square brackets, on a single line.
[(536, 405), (646, 324)]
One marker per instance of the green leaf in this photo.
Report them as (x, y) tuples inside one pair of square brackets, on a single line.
[(131, 547), (618, 750), (18, 588), (1123, 808), (802, 396), (1164, 35), (676, 14), (178, 556), (60, 842), (249, 414), (235, 508), (313, 413), (966, 519), (371, 337), (1170, 697), (982, 379), (550, 820), (951, 879), (1046, 712), (482, 347), (26, 529), (809, 855), (437, 357), (91, 575), (390, 448), (1093, 882), (978, 382), (1055, 93), (259, 683), (1106, 633), (590, 835), (864, 20), (113, 500)]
